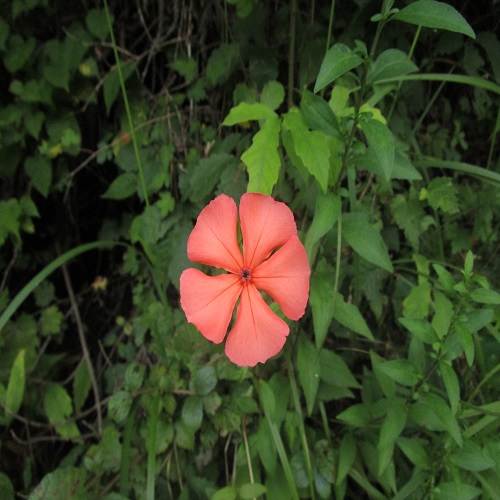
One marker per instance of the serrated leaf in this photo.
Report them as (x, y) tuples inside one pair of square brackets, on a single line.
[(205, 380), (310, 146), (51, 320), (262, 159), (390, 64), (337, 61), (437, 15), (65, 482), (245, 112), (365, 240), (119, 406), (382, 144), (18, 52), (97, 23), (57, 404), (15, 388), (124, 186), (443, 195), (221, 63), (348, 315)]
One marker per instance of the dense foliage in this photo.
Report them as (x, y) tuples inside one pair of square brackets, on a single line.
[(375, 122)]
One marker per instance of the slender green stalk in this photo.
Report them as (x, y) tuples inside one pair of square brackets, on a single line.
[(398, 89), (47, 271), (493, 140), (126, 447), (151, 471), (302, 430), (330, 26), (291, 52), (127, 107)]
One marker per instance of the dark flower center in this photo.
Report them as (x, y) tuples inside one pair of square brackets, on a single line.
[(246, 274)]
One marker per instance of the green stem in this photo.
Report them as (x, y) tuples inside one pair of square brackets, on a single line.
[(291, 53), (127, 106), (330, 26), (152, 438), (302, 430)]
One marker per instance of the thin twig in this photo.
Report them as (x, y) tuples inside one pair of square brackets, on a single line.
[(83, 342)]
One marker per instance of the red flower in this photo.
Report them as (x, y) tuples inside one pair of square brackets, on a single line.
[(208, 301)]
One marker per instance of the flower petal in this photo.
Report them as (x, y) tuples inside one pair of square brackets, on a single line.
[(208, 301), (285, 277), (257, 334), (213, 240), (265, 224)]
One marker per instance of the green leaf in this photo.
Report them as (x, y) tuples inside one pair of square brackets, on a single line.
[(390, 64), (317, 114), (64, 482), (415, 452), (485, 296), (97, 23), (309, 370), (442, 194), (394, 423), (226, 493), (119, 406), (39, 170), (81, 386), (444, 313), (326, 214), (4, 32), (467, 342), (365, 240), (416, 304), (204, 380), (347, 456), (434, 414), (421, 328), (18, 53), (382, 144), (252, 490), (6, 487), (357, 415), (111, 85), (262, 159), (10, 214), (437, 15), (15, 388), (245, 112), (58, 408), (272, 95), (187, 68), (401, 371), (124, 186), (321, 302), (51, 320), (451, 384), (334, 370), (310, 146), (221, 63), (348, 315), (338, 60), (192, 412), (473, 457)]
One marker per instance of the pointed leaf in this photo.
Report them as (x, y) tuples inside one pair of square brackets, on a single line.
[(15, 389), (437, 15), (382, 144), (309, 369), (390, 64), (338, 60), (348, 315), (365, 240), (245, 112)]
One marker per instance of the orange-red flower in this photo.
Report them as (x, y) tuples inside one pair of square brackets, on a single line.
[(273, 260)]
